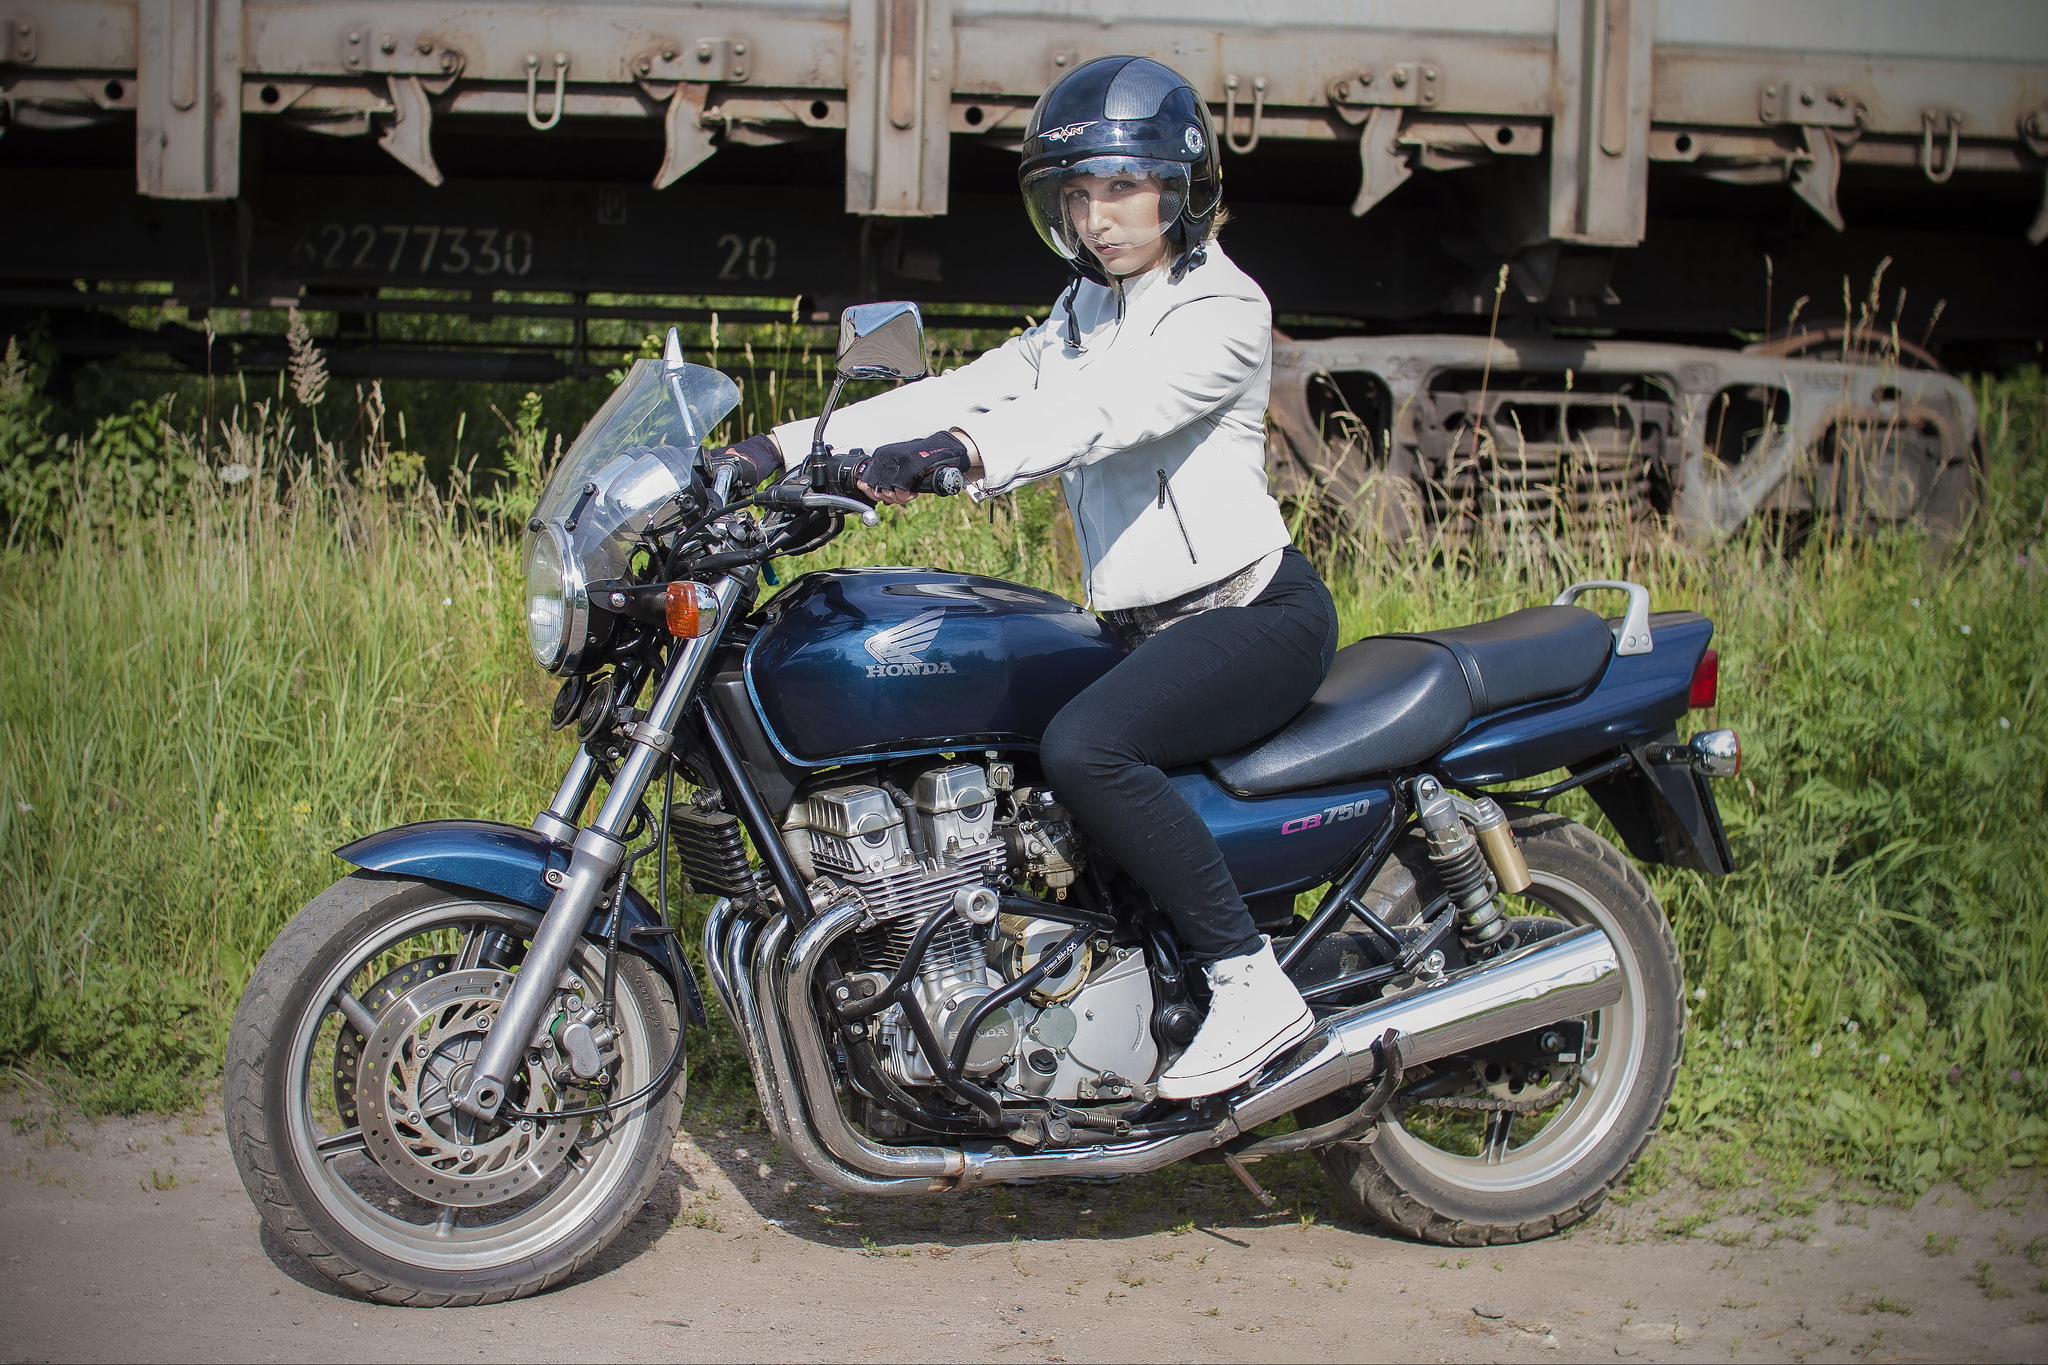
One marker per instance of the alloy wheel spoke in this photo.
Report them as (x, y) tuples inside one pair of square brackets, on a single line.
[(340, 1144), (1499, 1124)]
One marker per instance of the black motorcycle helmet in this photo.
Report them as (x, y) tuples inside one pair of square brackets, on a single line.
[(1122, 114)]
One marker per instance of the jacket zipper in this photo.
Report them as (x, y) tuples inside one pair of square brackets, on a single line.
[(1167, 498)]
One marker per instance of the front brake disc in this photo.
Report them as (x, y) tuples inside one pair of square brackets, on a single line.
[(425, 1044), (348, 1048)]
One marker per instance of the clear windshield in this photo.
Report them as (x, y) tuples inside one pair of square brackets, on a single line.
[(642, 414), (637, 453)]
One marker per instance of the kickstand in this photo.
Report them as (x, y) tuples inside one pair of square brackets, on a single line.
[(1237, 1168)]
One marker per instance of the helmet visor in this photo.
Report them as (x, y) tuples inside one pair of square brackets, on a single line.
[(1106, 210)]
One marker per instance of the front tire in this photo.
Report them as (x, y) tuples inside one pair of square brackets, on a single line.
[(301, 1140), (1459, 1177)]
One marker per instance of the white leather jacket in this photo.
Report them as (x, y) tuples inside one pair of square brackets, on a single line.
[(1156, 423)]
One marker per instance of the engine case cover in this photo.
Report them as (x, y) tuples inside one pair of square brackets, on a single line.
[(1104, 1030), (906, 661)]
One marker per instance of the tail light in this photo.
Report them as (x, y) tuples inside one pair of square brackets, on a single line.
[(1706, 680), (692, 610)]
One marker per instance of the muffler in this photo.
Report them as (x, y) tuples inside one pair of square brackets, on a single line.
[(1571, 974)]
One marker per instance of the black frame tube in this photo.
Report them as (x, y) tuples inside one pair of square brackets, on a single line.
[(1572, 783), (767, 838), (1336, 902), (988, 1004), (853, 1011), (1059, 914)]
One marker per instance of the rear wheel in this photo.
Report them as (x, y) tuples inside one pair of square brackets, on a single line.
[(360, 1021), (1481, 1153)]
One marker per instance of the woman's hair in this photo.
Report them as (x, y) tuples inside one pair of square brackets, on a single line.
[(1211, 226)]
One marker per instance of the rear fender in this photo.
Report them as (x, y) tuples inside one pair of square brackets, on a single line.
[(1665, 812), (509, 863)]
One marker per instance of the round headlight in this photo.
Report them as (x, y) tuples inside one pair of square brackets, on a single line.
[(547, 599)]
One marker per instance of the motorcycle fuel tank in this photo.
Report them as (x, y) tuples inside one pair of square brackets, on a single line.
[(890, 662)]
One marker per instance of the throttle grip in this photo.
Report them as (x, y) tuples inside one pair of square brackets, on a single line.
[(943, 482)]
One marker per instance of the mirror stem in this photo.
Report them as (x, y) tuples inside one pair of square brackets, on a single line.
[(818, 447)]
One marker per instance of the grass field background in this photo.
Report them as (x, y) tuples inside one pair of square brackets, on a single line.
[(238, 628)]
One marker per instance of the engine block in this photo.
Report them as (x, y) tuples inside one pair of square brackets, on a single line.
[(856, 839)]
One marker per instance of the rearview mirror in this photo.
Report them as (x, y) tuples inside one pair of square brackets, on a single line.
[(876, 341), (882, 341)]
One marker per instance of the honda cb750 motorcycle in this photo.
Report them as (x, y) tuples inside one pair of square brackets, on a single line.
[(458, 1071)]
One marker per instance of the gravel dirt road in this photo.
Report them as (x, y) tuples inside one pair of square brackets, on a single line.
[(132, 1240)]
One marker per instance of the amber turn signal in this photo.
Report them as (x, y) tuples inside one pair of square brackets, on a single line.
[(692, 610)]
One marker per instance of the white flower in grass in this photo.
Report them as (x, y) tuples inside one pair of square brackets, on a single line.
[(1884, 1059), (1815, 1049), (1966, 630), (2004, 724), (23, 806), (235, 473), (1699, 992), (1853, 1026)]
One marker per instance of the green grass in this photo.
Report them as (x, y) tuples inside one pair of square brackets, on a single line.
[(205, 686)]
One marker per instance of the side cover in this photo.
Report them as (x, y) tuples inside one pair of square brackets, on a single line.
[(891, 662), (509, 863)]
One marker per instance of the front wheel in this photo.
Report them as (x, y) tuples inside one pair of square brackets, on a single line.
[(362, 1019), (1484, 1153)]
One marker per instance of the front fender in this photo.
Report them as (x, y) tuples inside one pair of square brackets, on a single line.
[(509, 863)]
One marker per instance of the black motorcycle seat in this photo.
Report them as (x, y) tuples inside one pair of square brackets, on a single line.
[(1394, 700), (1526, 656)]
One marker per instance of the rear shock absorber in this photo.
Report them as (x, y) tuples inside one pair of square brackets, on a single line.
[(1461, 863)]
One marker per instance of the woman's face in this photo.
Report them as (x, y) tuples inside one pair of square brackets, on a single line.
[(1117, 216)]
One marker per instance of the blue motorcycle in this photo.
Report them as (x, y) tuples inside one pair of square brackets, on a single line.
[(457, 1073)]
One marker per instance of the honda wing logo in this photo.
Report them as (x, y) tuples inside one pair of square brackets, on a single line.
[(897, 651)]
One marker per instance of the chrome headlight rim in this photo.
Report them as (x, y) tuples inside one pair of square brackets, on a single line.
[(575, 636)]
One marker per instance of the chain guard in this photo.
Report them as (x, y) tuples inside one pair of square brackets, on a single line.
[(1496, 1101), (425, 1043)]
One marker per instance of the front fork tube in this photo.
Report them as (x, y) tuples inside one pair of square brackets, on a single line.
[(558, 821), (594, 863)]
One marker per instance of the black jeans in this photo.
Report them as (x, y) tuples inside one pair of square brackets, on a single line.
[(1203, 687)]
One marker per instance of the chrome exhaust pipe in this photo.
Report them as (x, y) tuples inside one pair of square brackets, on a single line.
[(1574, 973), (794, 1118), (1571, 974), (1563, 977), (716, 925)]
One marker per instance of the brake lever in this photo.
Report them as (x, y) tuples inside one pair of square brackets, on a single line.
[(796, 496), (832, 502)]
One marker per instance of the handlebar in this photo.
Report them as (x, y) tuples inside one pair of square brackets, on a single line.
[(840, 474)]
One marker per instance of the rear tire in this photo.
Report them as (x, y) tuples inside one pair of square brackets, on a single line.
[(1414, 1178), (288, 1067)]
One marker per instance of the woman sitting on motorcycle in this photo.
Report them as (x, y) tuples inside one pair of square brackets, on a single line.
[(1145, 391)]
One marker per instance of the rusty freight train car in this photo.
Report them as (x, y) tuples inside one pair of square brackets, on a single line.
[(1616, 192)]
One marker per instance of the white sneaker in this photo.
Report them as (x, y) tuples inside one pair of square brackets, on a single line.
[(1255, 1014)]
